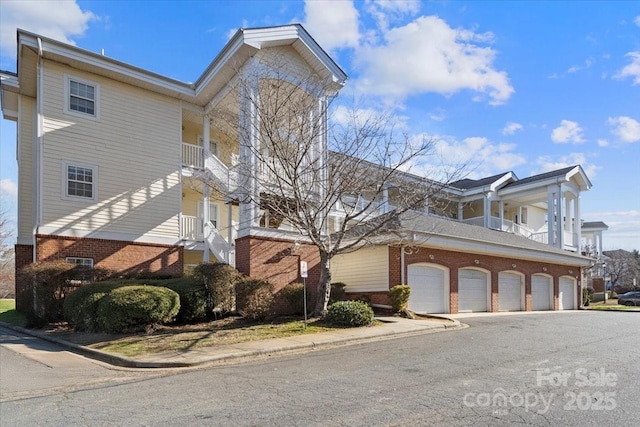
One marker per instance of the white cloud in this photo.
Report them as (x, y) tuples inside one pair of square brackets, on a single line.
[(333, 24), (587, 64), (438, 115), (625, 128), (567, 132), (386, 11), (637, 20), (548, 163), (511, 128), (8, 188), (631, 70), (60, 20), (427, 55), (603, 143)]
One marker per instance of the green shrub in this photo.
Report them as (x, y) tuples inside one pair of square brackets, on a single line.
[(254, 298), (337, 292), (133, 308), (293, 293), (44, 286), (194, 298), (80, 306), (350, 313), (399, 297), (220, 280)]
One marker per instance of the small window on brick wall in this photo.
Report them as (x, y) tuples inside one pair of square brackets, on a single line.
[(85, 262)]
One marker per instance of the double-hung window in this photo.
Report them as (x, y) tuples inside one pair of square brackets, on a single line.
[(79, 181), (81, 97)]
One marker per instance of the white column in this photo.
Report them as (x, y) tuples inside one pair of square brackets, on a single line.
[(426, 205), (385, 199), (249, 164), (550, 216), (230, 240), (577, 222), (486, 209), (460, 211), (560, 214), (205, 190), (501, 213), (567, 214)]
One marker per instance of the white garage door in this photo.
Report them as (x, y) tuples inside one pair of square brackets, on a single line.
[(509, 292), (427, 289), (541, 292), (567, 289), (472, 290)]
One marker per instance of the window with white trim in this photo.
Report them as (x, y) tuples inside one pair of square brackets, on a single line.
[(81, 97), (85, 262), (79, 181)]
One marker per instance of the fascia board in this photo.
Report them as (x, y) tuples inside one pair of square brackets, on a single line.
[(52, 48), (228, 51), (339, 75), (507, 251), (579, 171)]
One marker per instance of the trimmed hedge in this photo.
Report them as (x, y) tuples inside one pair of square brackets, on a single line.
[(350, 313), (399, 297), (81, 306), (194, 297), (293, 293), (134, 308), (254, 298), (220, 280)]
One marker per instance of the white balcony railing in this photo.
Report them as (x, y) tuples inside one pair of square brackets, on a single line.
[(191, 228), (192, 156)]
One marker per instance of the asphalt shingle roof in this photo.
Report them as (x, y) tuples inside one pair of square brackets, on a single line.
[(466, 184), (542, 176)]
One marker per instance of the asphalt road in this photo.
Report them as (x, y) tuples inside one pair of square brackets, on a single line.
[(574, 369)]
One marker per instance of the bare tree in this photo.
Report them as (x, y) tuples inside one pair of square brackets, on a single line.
[(341, 181), (622, 268), (7, 260)]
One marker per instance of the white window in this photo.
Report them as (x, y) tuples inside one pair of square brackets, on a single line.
[(213, 213), (213, 145), (85, 262), (79, 181), (81, 97)]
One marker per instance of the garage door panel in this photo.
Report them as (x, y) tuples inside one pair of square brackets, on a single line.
[(541, 293), (509, 292), (427, 289), (472, 291), (566, 297)]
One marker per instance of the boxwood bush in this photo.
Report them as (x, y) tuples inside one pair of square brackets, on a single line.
[(399, 297), (133, 308), (194, 298), (350, 313), (80, 306), (254, 298)]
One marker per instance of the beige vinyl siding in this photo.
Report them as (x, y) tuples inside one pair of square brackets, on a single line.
[(364, 270), (26, 133), (136, 148)]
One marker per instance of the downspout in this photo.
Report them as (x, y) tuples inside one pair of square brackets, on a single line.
[(39, 147)]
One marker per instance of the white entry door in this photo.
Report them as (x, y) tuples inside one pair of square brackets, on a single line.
[(541, 294), (429, 290), (567, 296), (472, 290), (510, 292)]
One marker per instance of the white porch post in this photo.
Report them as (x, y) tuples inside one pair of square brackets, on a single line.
[(205, 191), (560, 215), (486, 210), (501, 213), (460, 211), (567, 214), (249, 161), (551, 216), (426, 205), (230, 240), (577, 222), (385, 199)]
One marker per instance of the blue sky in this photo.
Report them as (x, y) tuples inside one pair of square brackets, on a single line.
[(525, 86)]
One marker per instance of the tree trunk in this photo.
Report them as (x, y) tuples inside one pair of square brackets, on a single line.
[(324, 286)]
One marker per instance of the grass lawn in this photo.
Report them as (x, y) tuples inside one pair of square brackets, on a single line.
[(231, 330), (611, 305), (9, 314)]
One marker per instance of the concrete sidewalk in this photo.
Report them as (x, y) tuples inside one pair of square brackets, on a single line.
[(392, 327)]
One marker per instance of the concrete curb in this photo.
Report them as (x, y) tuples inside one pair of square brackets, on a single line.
[(253, 348)]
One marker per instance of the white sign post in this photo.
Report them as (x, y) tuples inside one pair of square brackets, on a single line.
[(304, 273)]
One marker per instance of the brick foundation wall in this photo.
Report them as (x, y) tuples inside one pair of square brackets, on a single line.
[(121, 256), (271, 259), (457, 260)]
